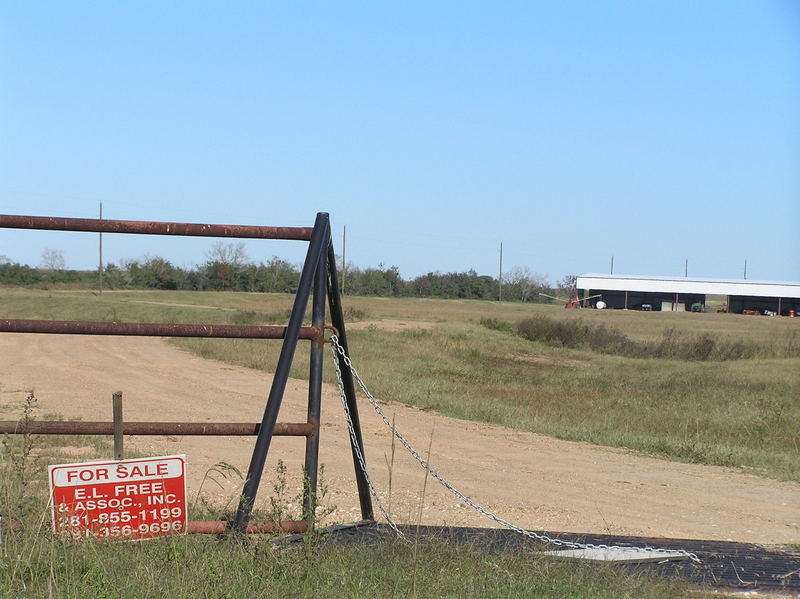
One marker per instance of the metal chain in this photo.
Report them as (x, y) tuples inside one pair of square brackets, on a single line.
[(336, 347), (357, 447)]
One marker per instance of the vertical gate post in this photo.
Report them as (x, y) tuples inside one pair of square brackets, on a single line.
[(116, 406), (337, 320), (315, 394), (316, 252)]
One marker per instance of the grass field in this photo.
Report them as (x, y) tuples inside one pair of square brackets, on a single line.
[(33, 564), (740, 413), (735, 412), (194, 567)]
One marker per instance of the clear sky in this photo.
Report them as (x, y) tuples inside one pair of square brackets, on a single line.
[(569, 131)]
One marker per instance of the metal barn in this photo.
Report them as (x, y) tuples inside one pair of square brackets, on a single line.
[(633, 292)]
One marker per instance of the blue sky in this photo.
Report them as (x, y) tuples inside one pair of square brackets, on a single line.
[(569, 131)]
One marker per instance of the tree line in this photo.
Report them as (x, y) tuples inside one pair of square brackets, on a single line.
[(227, 268)]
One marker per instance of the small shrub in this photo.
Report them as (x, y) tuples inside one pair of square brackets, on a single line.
[(352, 314), (699, 348), (21, 469), (559, 333), (497, 325), (673, 346)]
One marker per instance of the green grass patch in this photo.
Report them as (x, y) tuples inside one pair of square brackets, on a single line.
[(34, 564), (190, 567)]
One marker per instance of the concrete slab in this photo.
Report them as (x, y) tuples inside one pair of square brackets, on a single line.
[(628, 556)]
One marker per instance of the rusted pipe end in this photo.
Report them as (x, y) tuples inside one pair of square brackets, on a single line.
[(331, 328), (217, 527), (315, 333)]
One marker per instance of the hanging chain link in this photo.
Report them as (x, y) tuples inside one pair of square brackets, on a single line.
[(355, 443), (336, 347)]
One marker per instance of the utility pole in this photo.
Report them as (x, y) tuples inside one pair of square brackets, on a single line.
[(344, 256), (745, 269), (686, 268), (500, 280), (612, 265), (100, 266)]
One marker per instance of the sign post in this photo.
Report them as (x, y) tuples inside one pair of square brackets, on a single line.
[(125, 499)]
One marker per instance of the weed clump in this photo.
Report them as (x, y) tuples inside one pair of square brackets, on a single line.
[(352, 314), (20, 468), (576, 334), (497, 325)]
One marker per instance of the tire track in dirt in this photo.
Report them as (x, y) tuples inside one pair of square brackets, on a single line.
[(532, 480)]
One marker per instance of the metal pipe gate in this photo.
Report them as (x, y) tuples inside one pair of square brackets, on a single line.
[(318, 279)]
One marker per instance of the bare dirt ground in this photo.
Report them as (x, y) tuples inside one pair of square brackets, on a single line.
[(534, 481)]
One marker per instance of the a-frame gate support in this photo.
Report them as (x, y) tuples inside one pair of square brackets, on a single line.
[(319, 274)]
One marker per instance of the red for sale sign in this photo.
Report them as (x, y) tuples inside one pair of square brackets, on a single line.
[(124, 499)]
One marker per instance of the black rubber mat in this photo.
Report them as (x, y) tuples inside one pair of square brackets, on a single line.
[(723, 564)]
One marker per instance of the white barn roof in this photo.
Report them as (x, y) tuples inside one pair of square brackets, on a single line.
[(746, 287)]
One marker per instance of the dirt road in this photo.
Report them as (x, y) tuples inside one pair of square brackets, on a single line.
[(532, 480)]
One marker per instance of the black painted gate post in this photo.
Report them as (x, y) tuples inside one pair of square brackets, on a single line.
[(337, 320), (315, 254), (310, 471)]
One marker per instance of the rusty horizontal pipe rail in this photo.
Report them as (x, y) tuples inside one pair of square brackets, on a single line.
[(15, 221), (151, 329), (229, 429), (216, 527)]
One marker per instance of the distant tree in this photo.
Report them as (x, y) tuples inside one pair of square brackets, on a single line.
[(394, 281), (345, 274), (372, 281), (114, 277), (568, 284), (229, 268), (524, 284), (13, 273), (226, 267), (232, 254), (279, 276), (154, 273), (53, 260), (380, 281)]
